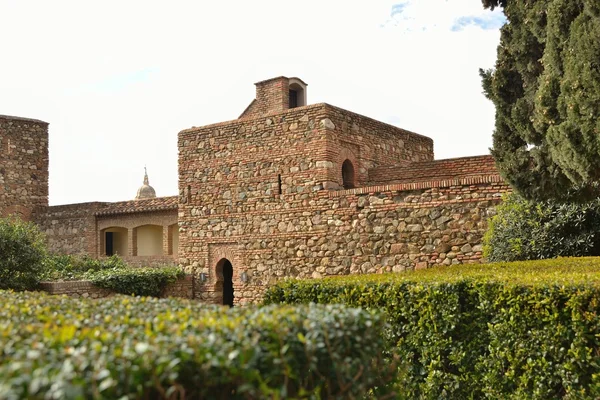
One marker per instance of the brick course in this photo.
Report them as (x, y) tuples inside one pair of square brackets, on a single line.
[(182, 288)]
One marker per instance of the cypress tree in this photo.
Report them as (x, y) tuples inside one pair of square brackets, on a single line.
[(546, 89)]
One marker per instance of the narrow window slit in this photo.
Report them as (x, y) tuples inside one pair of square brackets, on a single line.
[(279, 184)]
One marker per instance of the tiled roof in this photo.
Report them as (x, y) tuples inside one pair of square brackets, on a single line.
[(143, 205), (452, 168)]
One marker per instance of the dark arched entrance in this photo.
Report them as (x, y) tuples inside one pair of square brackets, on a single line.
[(348, 175), (225, 275)]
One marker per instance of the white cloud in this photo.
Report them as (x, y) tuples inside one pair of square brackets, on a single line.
[(118, 80)]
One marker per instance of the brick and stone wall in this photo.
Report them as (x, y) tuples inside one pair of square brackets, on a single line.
[(166, 218), (182, 288), (83, 289), (78, 228), (23, 166), (272, 96), (71, 229), (264, 194), (451, 168), (368, 144), (378, 229)]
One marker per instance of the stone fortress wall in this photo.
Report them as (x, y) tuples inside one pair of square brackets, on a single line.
[(287, 190), (267, 193), (71, 228), (23, 166)]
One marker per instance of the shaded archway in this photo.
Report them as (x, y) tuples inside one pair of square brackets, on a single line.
[(115, 241), (225, 281), (149, 239), (348, 175)]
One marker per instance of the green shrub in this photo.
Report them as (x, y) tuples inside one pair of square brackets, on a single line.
[(148, 281), (22, 249), (522, 330), (524, 230), (111, 273), (55, 347), (64, 267)]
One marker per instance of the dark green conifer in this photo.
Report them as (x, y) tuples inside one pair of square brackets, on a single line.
[(546, 89)]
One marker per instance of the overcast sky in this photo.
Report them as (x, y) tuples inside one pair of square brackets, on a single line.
[(117, 80)]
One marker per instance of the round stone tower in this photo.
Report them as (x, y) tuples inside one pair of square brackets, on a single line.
[(23, 166)]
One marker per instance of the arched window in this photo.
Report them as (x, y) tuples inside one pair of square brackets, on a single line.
[(348, 175), (297, 93)]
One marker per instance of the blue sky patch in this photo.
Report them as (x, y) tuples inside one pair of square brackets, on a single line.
[(489, 22), (398, 9)]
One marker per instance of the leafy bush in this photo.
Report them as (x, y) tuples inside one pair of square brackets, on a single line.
[(64, 267), (64, 348), (524, 230), (22, 249), (522, 330), (136, 281), (111, 273)]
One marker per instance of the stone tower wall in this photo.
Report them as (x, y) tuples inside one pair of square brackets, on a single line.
[(255, 191), (23, 166)]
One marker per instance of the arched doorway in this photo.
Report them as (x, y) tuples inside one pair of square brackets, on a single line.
[(225, 279), (115, 241), (348, 175)]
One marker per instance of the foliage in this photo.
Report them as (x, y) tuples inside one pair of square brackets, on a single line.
[(522, 330), (111, 273), (525, 230), (491, 4), (55, 347), (147, 281), (546, 89), (64, 267), (22, 249)]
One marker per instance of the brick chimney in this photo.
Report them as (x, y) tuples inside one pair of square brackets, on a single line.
[(276, 95), (272, 95)]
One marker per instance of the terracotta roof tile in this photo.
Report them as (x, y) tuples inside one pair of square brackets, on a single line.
[(143, 205)]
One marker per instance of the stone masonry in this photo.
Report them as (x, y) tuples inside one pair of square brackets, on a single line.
[(182, 288), (23, 166), (287, 190), (266, 192)]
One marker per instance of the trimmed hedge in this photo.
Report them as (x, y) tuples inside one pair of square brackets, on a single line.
[(523, 330), (56, 347)]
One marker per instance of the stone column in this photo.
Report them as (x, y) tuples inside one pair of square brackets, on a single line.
[(167, 245), (132, 242), (101, 248)]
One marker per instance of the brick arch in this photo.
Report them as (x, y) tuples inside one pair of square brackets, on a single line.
[(219, 251), (347, 154), (21, 212)]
